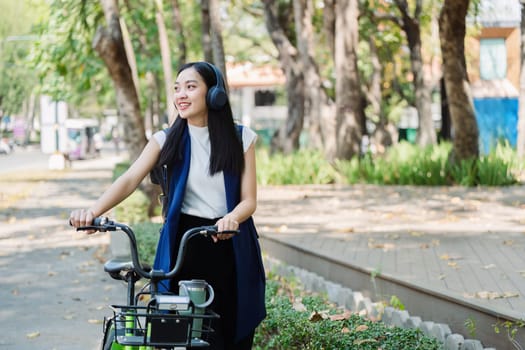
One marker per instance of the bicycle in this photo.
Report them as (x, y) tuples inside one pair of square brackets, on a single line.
[(166, 320)]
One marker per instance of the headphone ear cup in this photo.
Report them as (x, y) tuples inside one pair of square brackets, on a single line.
[(216, 97)]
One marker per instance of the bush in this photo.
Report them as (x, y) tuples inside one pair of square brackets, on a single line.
[(296, 320), (403, 164), (301, 167)]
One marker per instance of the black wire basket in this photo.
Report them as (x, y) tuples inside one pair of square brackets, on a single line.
[(145, 325)]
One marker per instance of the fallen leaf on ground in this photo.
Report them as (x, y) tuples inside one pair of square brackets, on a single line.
[(316, 316), (491, 295), (346, 230), (282, 228), (33, 335), (360, 328), (299, 306), (92, 321), (341, 317)]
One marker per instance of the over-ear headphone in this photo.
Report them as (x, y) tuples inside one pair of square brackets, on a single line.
[(216, 97)]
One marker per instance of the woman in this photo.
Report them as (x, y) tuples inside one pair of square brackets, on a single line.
[(211, 177)]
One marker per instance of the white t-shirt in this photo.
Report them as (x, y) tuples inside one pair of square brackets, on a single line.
[(205, 195)]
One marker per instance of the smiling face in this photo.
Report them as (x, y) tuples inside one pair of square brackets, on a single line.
[(190, 97)]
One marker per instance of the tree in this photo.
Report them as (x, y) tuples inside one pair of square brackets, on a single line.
[(286, 138), (452, 36), (350, 115), (179, 31), (108, 43), (166, 59), (411, 25)]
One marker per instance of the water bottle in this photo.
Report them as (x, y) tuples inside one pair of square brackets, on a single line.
[(201, 295)]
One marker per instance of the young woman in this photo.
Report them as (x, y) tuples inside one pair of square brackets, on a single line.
[(211, 177)]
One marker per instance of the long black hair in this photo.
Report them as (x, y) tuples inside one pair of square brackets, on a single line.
[(227, 152)]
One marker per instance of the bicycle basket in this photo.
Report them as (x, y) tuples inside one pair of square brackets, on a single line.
[(144, 325)]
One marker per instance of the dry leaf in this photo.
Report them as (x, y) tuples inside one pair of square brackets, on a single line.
[(33, 335), (363, 341), (316, 317), (360, 328), (282, 228), (299, 306), (508, 242), (95, 321), (424, 246), (346, 230), (341, 317)]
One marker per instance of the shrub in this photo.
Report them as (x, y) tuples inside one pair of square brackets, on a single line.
[(403, 164), (296, 320)]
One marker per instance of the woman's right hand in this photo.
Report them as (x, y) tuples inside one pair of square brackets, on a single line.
[(81, 217)]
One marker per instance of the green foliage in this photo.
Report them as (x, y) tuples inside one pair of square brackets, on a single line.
[(147, 234), (403, 164), (301, 167), (309, 327), (396, 303), (134, 208), (16, 80), (63, 57)]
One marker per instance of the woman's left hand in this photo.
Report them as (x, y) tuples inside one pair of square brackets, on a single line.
[(227, 223)]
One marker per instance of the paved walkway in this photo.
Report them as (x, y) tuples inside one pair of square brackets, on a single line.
[(54, 292), (466, 244)]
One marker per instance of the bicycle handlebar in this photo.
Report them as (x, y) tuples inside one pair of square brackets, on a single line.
[(103, 224)]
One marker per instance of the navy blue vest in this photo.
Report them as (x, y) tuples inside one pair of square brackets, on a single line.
[(248, 261)]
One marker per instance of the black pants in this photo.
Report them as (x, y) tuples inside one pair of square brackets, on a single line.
[(214, 263)]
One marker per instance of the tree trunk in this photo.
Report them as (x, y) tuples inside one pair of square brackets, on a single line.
[(459, 97), (286, 138), (410, 25), (521, 120), (383, 135), (179, 31), (445, 133), (108, 43), (349, 114), (216, 38), (166, 61), (130, 54), (206, 27), (322, 124)]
